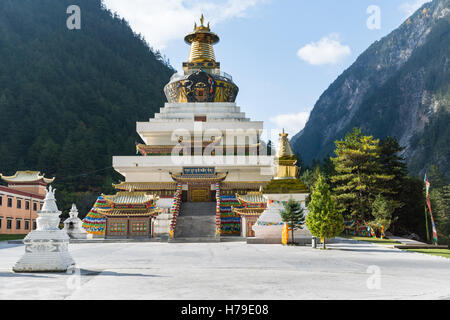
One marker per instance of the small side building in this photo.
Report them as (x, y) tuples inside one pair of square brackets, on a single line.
[(21, 200), (129, 214)]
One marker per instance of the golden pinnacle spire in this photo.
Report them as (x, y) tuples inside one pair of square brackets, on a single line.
[(284, 146), (201, 41), (285, 160)]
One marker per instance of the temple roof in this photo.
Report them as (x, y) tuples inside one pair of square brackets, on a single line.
[(215, 177), (251, 197), (26, 177), (145, 186), (126, 197)]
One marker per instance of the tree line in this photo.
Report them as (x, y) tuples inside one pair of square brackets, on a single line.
[(368, 181)]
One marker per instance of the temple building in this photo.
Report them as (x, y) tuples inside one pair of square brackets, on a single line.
[(129, 215), (200, 142), (21, 200)]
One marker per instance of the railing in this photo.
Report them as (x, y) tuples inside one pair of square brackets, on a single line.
[(175, 210)]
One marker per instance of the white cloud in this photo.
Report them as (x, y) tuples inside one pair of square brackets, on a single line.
[(161, 21), (327, 50), (408, 8), (292, 123)]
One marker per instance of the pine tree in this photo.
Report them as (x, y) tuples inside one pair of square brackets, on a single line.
[(293, 215), (358, 175), (382, 211), (323, 221), (440, 203)]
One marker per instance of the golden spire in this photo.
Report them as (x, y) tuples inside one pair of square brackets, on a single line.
[(285, 160), (201, 41), (284, 146)]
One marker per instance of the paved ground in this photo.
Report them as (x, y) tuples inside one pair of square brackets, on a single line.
[(231, 270)]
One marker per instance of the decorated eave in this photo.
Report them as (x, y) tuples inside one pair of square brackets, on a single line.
[(26, 177), (249, 211), (130, 212), (145, 186), (210, 178)]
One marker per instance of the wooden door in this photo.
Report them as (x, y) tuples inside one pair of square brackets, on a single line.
[(199, 194)]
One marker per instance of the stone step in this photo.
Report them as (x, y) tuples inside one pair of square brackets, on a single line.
[(197, 220), (194, 240)]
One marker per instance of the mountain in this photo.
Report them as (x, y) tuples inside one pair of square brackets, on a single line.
[(70, 99), (400, 86)]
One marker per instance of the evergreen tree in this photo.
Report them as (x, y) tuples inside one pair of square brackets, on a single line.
[(293, 215), (382, 210), (358, 176), (440, 204), (323, 221)]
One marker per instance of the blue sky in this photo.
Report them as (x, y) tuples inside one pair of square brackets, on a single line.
[(281, 53)]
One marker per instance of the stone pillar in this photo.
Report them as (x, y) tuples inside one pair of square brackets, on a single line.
[(46, 248)]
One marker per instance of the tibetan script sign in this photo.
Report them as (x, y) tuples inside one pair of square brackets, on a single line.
[(195, 171)]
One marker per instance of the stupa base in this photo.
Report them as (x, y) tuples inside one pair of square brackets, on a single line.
[(45, 251)]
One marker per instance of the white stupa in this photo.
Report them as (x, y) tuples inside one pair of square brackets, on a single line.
[(74, 226), (46, 248)]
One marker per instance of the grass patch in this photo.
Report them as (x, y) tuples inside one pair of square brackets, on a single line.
[(435, 252), (6, 237), (372, 240)]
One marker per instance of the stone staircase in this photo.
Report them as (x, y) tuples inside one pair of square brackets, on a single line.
[(196, 223)]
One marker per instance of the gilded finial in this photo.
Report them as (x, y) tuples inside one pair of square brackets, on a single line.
[(202, 19)]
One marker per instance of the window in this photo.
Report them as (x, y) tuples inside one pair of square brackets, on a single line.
[(34, 206), (18, 224), (1, 200), (9, 202), (27, 224), (40, 206), (34, 225), (27, 205), (19, 203), (1, 222), (9, 224)]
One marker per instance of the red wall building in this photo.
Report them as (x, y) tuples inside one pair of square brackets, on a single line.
[(21, 200)]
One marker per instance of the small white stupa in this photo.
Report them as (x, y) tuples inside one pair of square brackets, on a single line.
[(74, 226), (46, 248)]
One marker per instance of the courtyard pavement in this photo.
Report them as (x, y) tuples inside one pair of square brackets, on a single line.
[(231, 270)]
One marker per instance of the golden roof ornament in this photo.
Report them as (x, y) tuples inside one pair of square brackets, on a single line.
[(201, 41), (202, 80), (284, 146), (285, 160)]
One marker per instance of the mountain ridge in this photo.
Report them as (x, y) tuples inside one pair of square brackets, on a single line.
[(358, 88)]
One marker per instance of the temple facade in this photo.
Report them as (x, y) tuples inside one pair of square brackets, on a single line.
[(199, 143)]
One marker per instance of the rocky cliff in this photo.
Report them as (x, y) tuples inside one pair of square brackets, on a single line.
[(398, 87)]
